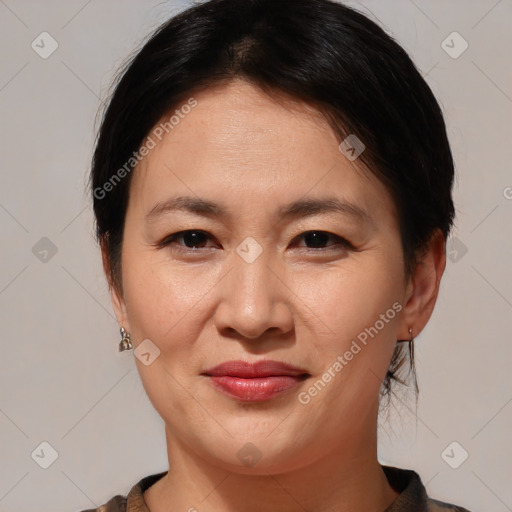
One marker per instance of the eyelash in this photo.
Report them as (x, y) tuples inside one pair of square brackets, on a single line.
[(169, 240)]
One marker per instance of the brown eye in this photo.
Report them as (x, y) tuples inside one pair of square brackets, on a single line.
[(319, 240), (192, 239)]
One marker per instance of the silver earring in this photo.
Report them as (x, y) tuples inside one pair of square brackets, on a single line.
[(125, 343)]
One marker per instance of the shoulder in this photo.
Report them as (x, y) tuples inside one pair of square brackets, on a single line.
[(441, 506), (412, 494), (115, 504), (133, 501)]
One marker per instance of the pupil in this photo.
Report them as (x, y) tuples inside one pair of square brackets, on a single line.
[(316, 237), (193, 238)]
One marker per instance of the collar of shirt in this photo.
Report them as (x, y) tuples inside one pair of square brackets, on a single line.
[(412, 497)]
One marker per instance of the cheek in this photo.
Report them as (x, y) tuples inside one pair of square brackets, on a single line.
[(360, 307), (344, 299), (352, 297), (163, 300)]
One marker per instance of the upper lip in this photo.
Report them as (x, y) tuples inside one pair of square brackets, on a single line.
[(247, 370)]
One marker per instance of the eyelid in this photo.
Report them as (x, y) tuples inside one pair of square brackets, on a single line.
[(339, 240), (166, 241)]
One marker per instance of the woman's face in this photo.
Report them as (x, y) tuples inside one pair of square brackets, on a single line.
[(251, 283)]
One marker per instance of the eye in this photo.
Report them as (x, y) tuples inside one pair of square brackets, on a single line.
[(321, 238), (193, 240)]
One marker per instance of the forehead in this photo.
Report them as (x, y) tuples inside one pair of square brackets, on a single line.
[(240, 143)]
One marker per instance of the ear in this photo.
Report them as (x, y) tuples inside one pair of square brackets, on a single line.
[(423, 287), (116, 297)]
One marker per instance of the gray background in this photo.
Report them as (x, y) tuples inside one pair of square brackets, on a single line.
[(61, 378)]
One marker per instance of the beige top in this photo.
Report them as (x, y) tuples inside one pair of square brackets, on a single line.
[(412, 498)]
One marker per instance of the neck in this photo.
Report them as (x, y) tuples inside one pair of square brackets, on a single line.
[(348, 478)]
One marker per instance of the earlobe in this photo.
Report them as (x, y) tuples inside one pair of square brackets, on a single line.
[(423, 287)]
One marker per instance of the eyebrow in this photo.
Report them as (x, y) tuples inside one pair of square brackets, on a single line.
[(297, 209)]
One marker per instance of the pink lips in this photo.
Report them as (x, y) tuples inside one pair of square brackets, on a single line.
[(255, 382)]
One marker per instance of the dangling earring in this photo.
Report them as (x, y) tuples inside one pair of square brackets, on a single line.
[(410, 340), (411, 345), (125, 343)]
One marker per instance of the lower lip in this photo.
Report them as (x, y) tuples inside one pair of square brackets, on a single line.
[(255, 389)]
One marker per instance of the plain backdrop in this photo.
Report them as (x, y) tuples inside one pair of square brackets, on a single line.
[(62, 381)]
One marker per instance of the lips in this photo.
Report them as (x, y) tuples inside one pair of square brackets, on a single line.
[(246, 370), (255, 382)]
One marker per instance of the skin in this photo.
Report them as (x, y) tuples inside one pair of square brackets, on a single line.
[(297, 303)]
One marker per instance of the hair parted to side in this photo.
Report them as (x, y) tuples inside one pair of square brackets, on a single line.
[(316, 52)]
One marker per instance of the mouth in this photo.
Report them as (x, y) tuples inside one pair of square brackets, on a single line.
[(255, 382)]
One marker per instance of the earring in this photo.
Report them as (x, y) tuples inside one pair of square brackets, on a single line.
[(125, 343), (410, 340)]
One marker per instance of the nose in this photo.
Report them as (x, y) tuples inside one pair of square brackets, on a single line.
[(253, 299)]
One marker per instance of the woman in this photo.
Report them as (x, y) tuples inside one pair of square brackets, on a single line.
[(272, 191)]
